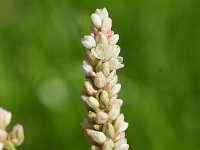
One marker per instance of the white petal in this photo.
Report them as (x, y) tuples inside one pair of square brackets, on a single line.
[(101, 38), (86, 67), (88, 42), (122, 147), (96, 20), (115, 63), (123, 127), (109, 52), (106, 26), (113, 39), (116, 51), (98, 51), (103, 13), (97, 136)]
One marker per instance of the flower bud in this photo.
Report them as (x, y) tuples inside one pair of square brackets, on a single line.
[(101, 38), (92, 116), (109, 130), (119, 136), (114, 81), (88, 42), (92, 59), (100, 80), (93, 103), (86, 68), (122, 147), (103, 13), (112, 100), (102, 117), (123, 127), (106, 68), (96, 20), (111, 76), (97, 127), (5, 118), (121, 141), (119, 121), (104, 98), (115, 110), (106, 26), (116, 88), (89, 88), (113, 39), (95, 147), (16, 136), (96, 136), (84, 99), (3, 135), (108, 145)]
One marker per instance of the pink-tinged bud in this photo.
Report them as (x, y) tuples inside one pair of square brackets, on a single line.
[(5, 118), (109, 130), (119, 136), (104, 98), (123, 127), (93, 103), (100, 80), (121, 141), (119, 121), (108, 145), (88, 42), (96, 136), (3, 135), (102, 117), (122, 147), (16, 136), (110, 33), (96, 20), (106, 26), (89, 88), (113, 39), (95, 147), (95, 30), (116, 89), (115, 110)]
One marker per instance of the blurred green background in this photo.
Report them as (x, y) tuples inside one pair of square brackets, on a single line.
[(40, 79)]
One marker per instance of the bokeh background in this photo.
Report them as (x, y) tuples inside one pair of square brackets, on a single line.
[(40, 79)]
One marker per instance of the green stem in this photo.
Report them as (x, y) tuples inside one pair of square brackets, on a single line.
[(10, 146)]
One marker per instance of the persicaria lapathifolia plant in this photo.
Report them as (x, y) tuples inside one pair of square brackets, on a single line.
[(104, 126), (13, 138)]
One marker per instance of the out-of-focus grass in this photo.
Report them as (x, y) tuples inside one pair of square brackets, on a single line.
[(40, 80)]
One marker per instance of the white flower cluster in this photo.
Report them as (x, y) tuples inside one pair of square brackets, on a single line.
[(104, 126), (9, 140)]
